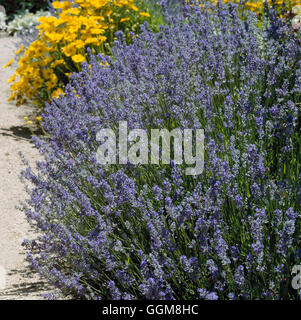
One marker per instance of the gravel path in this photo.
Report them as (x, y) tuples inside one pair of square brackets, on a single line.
[(21, 282)]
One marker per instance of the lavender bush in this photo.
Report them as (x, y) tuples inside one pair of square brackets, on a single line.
[(152, 232)]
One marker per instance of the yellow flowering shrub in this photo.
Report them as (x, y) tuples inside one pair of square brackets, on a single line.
[(60, 48), (258, 5), (289, 6)]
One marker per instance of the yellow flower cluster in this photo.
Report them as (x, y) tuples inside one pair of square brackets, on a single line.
[(45, 66), (258, 5)]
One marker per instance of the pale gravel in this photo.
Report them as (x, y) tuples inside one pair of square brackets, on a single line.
[(21, 282)]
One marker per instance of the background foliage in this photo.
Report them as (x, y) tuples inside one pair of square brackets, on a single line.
[(13, 7)]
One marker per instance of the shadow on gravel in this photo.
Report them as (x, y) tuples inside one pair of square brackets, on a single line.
[(18, 132), (25, 287)]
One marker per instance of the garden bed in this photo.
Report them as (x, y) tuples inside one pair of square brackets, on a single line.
[(218, 216)]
